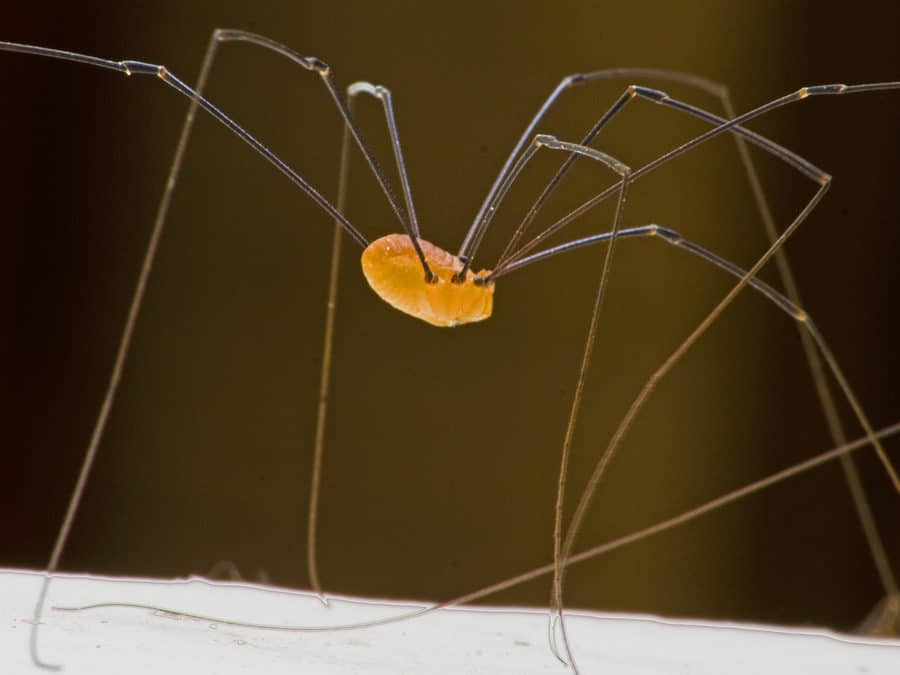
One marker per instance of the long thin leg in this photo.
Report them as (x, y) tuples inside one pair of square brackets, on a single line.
[(411, 225), (674, 521), (129, 68), (794, 160), (590, 340), (659, 527), (408, 219), (540, 140), (805, 167), (383, 94), (556, 596), (826, 399), (731, 126), (675, 239), (112, 386), (821, 178), (475, 233), (804, 322), (313, 64), (555, 181), (566, 83), (808, 169), (141, 68), (509, 178), (860, 500), (624, 171), (464, 249), (812, 356), (631, 92), (670, 363), (683, 78), (325, 377)]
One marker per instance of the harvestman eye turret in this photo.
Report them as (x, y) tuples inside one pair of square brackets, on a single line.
[(440, 288)]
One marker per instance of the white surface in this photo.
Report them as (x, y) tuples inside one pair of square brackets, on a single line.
[(135, 641)]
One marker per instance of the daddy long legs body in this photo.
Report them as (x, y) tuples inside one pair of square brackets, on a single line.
[(545, 141)]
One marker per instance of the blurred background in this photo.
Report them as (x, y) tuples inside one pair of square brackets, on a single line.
[(442, 447)]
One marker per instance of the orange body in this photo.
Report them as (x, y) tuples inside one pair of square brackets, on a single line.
[(393, 270)]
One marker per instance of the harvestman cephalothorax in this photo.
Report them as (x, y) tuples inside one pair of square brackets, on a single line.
[(440, 288)]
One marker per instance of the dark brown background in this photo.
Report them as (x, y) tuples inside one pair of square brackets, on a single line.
[(442, 449)]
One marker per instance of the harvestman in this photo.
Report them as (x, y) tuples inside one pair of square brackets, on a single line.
[(440, 288)]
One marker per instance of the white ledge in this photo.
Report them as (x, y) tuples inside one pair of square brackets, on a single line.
[(138, 641)]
